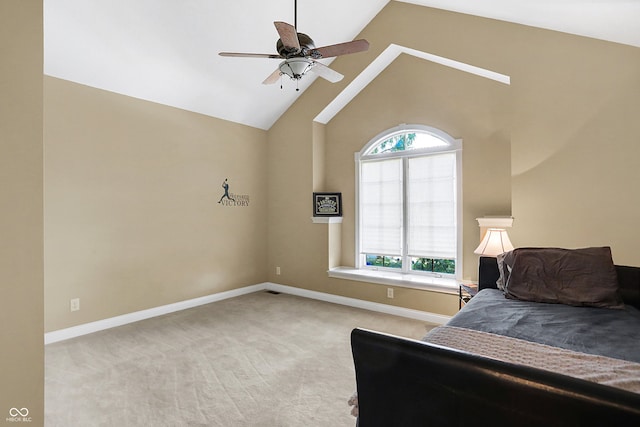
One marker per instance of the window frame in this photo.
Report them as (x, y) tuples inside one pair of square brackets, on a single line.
[(453, 146)]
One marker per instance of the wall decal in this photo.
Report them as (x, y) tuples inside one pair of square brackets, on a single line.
[(327, 204), (231, 199)]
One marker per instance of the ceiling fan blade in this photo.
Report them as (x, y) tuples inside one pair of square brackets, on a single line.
[(273, 77), (288, 35), (326, 72), (340, 49), (251, 55)]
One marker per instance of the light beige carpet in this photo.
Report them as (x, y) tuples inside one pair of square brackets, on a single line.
[(255, 360)]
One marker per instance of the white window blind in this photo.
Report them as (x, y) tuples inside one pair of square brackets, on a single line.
[(381, 202), (431, 206)]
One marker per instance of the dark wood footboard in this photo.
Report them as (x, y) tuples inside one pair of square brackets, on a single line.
[(405, 382)]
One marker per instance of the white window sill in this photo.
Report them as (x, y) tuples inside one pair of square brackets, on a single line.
[(414, 281)]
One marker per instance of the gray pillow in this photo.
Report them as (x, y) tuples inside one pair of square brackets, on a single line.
[(579, 277), (504, 269)]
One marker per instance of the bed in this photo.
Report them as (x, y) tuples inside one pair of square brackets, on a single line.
[(552, 338)]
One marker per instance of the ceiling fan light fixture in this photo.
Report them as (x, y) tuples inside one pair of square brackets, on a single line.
[(295, 68)]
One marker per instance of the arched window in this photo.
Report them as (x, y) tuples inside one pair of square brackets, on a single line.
[(408, 201)]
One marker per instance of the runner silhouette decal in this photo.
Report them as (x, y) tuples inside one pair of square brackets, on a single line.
[(231, 199)]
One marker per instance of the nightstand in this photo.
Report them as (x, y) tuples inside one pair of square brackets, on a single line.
[(465, 293)]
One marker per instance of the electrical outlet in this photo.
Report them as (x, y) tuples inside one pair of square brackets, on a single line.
[(74, 304), (389, 292), (277, 271)]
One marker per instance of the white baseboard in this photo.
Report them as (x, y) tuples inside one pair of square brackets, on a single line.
[(358, 303), (100, 325)]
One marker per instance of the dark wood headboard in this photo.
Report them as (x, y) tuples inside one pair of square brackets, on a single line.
[(628, 279)]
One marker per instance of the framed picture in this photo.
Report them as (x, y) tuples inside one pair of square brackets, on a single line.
[(327, 204)]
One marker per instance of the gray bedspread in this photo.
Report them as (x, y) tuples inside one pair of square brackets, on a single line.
[(600, 331)]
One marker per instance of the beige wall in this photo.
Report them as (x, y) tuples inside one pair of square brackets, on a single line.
[(556, 148), (21, 258), (576, 146), (132, 219)]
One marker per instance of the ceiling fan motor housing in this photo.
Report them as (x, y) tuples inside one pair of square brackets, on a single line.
[(306, 45)]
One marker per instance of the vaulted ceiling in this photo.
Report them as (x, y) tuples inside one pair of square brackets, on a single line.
[(166, 51)]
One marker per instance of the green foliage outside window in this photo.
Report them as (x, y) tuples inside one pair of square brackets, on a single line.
[(435, 265), (384, 261), (395, 143), (430, 265)]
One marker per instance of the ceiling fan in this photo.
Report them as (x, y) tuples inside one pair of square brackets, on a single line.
[(300, 54)]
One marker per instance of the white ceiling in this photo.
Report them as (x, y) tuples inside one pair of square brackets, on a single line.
[(166, 51)]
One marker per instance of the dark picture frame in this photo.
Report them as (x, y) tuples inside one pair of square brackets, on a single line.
[(327, 204)]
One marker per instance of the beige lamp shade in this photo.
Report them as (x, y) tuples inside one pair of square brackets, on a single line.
[(496, 241)]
